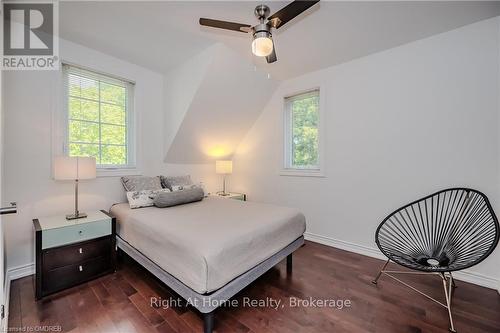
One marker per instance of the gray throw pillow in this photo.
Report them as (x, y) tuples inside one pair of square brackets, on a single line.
[(170, 181), (170, 199), (141, 183)]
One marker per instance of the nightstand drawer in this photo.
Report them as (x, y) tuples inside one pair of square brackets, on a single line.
[(74, 254), (75, 233), (67, 276)]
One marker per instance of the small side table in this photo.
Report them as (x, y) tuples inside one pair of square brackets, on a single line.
[(70, 252)]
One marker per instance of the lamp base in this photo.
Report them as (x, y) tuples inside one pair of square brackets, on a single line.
[(76, 216)]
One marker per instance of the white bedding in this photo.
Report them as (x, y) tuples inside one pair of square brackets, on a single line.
[(206, 244)]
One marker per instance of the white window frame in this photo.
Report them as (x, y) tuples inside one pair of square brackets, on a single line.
[(131, 168), (287, 168)]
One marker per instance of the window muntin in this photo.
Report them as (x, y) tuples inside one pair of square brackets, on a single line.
[(302, 137), (99, 122)]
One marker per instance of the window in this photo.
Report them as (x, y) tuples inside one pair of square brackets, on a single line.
[(302, 133), (99, 118)]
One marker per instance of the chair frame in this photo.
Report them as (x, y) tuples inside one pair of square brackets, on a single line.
[(448, 286), (445, 275)]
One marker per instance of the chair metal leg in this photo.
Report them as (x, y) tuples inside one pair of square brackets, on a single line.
[(452, 286), (447, 285), (453, 281), (380, 272)]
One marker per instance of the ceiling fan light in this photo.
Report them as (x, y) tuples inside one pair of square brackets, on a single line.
[(262, 44)]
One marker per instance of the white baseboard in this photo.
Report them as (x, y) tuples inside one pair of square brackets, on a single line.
[(18, 272), (11, 275), (479, 279), (343, 245), (467, 276)]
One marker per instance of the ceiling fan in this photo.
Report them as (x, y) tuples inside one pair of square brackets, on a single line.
[(262, 44)]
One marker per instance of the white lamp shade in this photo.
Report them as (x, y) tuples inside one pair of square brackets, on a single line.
[(224, 167), (71, 168)]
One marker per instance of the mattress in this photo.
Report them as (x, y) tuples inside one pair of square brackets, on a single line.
[(207, 244)]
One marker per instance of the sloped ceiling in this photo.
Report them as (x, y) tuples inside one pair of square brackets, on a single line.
[(226, 103), (162, 34)]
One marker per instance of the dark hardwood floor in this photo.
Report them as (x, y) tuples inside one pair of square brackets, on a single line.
[(121, 302)]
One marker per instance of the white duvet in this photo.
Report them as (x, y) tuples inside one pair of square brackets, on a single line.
[(208, 243)]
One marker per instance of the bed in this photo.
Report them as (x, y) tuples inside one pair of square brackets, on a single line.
[(209, 250)]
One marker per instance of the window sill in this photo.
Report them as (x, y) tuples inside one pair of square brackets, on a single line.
[(118, 172), (302, 173)]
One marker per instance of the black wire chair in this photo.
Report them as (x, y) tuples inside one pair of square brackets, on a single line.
[(447, 231)]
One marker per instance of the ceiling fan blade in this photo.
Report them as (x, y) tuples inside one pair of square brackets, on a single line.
[(272, 57), (225, 25), (287, 13), (247, 29)]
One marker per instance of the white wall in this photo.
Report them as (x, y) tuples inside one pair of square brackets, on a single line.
[(181, 85), (400, 124), (220, 110), (31, 101)]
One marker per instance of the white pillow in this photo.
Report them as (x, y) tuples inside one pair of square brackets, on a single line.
[(145, 198)]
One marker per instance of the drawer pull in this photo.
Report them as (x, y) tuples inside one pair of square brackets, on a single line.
[(80, 268), (80, 232), (80, 250)]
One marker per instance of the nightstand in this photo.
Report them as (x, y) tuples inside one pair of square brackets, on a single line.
[(232, 195), (69, 252)]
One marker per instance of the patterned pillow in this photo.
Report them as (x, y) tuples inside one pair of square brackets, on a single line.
[(171, 181), (141, 183), (139, 199)]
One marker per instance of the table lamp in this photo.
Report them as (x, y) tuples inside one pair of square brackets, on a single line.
[(224, 167), (74, 168)]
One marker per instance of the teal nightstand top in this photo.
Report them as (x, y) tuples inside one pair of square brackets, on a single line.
[(59, 221)]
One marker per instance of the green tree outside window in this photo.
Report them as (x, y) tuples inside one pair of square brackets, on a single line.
[(304, 131), (97, 120)]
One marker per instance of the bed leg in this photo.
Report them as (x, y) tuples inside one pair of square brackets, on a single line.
[(289, 263), (208, 322)]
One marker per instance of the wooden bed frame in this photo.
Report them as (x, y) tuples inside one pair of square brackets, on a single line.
[(207, 304)]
